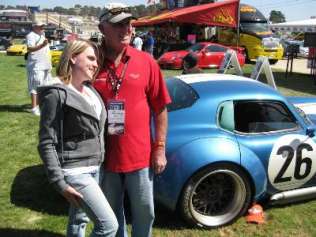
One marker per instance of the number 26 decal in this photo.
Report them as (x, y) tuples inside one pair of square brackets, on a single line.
[(299, 162), (292, 161)]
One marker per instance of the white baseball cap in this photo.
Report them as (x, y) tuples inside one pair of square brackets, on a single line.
[(115, 15)]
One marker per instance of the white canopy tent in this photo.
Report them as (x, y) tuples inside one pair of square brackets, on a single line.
[(308, 25)]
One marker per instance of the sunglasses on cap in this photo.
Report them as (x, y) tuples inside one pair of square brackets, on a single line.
[(115, 11)]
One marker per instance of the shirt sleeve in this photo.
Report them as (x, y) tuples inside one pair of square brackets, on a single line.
[(48, 138), (157, 91), (33, 40), (30, 40)]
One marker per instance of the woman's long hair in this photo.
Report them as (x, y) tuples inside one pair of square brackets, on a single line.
[(101, 49), (73, 48)]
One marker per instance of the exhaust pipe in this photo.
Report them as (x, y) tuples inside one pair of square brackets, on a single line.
[(293, 195)]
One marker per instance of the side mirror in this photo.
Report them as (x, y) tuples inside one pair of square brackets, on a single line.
[(310, 131)]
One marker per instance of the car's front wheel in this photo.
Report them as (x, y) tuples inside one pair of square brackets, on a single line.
[(216, 196)]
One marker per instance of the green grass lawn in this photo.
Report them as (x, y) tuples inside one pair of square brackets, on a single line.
[(30, 207)]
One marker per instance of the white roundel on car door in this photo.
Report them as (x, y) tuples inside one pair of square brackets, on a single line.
[(292, 161)]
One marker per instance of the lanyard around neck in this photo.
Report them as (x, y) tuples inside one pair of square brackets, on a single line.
[(116, 82)]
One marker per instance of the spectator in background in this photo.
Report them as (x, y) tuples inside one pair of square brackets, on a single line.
[(38, 62), (149, 43), (138, 42), (190, 64)]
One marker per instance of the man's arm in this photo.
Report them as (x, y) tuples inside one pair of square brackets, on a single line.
[(37, 47), (158, 155)]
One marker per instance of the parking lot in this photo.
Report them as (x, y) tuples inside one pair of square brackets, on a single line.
[(299, 65)]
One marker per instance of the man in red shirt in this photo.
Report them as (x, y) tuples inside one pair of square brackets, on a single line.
[(132, 87)]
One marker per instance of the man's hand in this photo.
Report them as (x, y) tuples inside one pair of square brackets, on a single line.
[(72, 196), (158, 153), (45, 42), (37, 47), (158, 159)]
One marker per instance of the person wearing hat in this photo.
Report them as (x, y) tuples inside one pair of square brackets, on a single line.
[(38, 62), (190, 64), (131, 85)]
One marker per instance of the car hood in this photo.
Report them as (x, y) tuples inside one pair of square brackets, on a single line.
[(17, 47)]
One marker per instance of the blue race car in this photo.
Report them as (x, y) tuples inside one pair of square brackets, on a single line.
[(232, 141)]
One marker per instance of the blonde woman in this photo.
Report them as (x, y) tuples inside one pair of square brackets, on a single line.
[(71, 140)]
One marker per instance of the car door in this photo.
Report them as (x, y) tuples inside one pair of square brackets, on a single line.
[(268, 131), (213, 55)]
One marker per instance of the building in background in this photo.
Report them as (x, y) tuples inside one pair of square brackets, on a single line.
[(14, 23)]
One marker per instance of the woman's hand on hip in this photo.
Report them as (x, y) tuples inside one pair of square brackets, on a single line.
[(72, 195)]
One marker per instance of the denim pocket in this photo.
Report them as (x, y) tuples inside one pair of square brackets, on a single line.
[(79, 181)]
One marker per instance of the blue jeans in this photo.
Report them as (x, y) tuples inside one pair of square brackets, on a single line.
[(93, 205), (139, 186)]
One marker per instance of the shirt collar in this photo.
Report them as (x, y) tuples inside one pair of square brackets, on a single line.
[(125, 57)]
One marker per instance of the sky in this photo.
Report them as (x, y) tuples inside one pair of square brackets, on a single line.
[(292, 9)]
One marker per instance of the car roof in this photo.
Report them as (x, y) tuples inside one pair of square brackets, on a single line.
[(229, 87), (204, 43)]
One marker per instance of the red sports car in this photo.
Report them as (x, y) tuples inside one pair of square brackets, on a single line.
[(210, 55)]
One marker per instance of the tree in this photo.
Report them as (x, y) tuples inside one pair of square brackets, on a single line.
[(60, 10), (276, 17)]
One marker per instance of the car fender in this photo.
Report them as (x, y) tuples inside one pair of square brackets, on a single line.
[(187, 160), (255, 169)]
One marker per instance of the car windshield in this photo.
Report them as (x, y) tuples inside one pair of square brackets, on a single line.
[(255, 27), (57, 47), (215, 48), (182, 95), (195, 48), (304, 116)]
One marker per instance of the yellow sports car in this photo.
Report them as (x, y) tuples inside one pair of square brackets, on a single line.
[(55, 52), (17, 49)]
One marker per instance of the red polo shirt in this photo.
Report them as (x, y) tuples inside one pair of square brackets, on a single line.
[(143, 89)]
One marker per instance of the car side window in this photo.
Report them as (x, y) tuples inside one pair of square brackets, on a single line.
[(225, 116), (262, 116), (215, 48), (182, 95), (195, 48)]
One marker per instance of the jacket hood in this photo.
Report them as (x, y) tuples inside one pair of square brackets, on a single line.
[(56, 83)]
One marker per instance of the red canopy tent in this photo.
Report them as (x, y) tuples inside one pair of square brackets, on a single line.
[(212, 14)]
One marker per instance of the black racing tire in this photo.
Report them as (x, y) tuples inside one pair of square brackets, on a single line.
[(216, 196)]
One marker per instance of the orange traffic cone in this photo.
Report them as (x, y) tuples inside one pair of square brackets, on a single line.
[(255, 214)]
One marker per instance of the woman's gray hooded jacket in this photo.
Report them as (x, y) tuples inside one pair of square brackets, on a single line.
[(70, 133)]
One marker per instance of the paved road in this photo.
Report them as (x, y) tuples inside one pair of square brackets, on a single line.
[(299, 65)]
